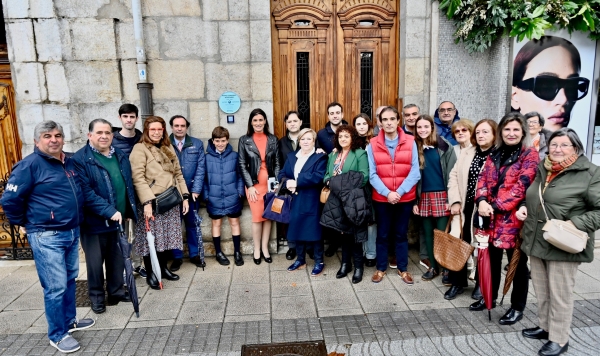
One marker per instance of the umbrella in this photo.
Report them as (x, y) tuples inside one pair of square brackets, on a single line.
[(125, 248), (483, 265), (153, 256), (512, 267), (198, 222)]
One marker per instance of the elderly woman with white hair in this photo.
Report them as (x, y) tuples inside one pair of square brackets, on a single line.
[(303, 173), (569, 185)]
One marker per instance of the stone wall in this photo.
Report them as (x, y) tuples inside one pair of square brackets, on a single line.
[(476, 83), (74, 61)]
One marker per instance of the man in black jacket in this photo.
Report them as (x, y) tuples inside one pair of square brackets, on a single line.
[(104, 174), (325, 136), (286, 145)]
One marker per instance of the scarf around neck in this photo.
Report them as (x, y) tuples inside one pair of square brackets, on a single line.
[(553, 168)]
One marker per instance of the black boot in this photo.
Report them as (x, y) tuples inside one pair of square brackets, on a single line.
[(357, 276), (166, 273), (150, 277), (476, 292), (345, 268)]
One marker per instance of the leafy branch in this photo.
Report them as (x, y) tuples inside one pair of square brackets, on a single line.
[(481, 22)]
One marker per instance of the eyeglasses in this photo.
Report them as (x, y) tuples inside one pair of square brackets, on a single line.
[(562, 146), (533, 123), (443, 111), (546, 87), (461, 130), (155, 130)]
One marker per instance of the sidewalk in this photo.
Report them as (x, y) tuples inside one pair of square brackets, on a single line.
[(215, 311)]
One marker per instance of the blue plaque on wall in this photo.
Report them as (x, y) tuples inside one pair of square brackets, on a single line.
[(229, 102)]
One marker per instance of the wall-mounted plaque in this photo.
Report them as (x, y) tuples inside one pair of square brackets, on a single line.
[(229, 102)]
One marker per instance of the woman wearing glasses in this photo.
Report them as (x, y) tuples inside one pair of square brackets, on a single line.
[(546, 79), (570, 187), (539, 135), (506, 175), (154, 169), (462, 131)]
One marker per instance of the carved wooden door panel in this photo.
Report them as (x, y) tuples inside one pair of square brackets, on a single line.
[(333, 50)]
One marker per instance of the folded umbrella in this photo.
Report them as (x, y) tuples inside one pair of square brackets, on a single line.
[(512, 267), (482, 236), (153, 255), (125, 249), (198, 223)]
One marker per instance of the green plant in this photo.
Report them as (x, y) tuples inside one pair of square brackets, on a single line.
[(481, 22)]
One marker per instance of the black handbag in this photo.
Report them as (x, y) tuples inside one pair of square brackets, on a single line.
[(167, 200)]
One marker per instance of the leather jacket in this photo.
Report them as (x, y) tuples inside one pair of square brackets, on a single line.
[(249, 159)]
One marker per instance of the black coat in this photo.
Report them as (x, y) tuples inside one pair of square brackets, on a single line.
[(249, 159), (284, 147), (348, 208)]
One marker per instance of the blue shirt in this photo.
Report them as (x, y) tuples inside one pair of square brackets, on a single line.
[(413, 176)]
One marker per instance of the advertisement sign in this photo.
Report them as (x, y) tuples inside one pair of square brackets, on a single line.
[(554, 76)]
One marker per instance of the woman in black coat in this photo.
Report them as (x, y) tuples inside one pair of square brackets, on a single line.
[(303, 173)]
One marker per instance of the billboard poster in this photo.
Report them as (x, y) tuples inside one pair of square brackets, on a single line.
[(553, 76)]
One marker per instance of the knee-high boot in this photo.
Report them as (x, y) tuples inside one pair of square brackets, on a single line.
[(163, 257)]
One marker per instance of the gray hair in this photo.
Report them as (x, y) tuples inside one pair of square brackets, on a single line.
[(412, 106), (529, 115), (508, 118), (98, 121), (573, 137), (46, 126)]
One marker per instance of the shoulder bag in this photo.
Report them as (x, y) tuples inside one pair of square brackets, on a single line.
[(324, 195), (449, 251), (167, 200), (562, 234)]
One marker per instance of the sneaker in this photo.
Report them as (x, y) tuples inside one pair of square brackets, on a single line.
[(430, 274), (141, 271), (319, 268), (82, 324), (425, 263), (67, 345), (393, 263)]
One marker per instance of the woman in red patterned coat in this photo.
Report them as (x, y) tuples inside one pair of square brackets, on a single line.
[(507, 173)]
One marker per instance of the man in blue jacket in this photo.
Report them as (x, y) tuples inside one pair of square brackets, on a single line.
[(104, 175), (445, 115), (190, 152), (43, 195), (335, 115)]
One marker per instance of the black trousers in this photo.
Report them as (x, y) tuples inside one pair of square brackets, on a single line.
[(103, 249), (520, 287), (461, 278), (352, 251)]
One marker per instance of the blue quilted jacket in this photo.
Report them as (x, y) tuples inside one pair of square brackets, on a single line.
[(223, 183)]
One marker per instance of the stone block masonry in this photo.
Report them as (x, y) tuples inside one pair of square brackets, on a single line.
[(74, 61)]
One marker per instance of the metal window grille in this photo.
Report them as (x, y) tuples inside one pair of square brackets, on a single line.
[(303, 87), (366, 83)]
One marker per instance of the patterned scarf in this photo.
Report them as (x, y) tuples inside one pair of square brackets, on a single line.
[(554, 168), (339, 163)]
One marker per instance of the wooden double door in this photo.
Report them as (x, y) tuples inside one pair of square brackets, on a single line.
[(333, 50)]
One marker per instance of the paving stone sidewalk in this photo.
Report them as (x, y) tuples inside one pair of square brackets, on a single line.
[(215, 311)]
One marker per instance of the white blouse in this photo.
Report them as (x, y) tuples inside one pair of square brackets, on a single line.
[(301, 162)]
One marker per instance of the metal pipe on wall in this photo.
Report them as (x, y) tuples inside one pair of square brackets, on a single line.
[(143, 86)]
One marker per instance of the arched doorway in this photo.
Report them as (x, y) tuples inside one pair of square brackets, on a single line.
[(324, 51)]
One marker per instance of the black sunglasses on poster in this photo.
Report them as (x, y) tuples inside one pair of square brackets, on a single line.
[(546, 87)]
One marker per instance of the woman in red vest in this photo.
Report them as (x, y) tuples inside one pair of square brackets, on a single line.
[(436, 159)]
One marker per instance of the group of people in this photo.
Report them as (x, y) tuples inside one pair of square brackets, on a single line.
[(354, 185)]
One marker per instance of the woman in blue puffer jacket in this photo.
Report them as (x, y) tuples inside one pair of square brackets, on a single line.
[(223, 190)]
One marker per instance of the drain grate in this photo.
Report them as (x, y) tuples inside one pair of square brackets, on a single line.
[(300, 348)]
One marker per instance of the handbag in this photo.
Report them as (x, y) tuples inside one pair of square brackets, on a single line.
[(562, 234), (450, 252), (167, 200), (324, 195), (278, 206)]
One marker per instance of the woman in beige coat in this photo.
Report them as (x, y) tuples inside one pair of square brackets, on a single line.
[(462, 184), (154, 169)]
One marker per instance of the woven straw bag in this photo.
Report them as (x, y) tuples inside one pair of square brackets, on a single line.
[(450, 252)]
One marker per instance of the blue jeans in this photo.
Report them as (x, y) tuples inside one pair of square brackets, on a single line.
[(301, 247), (392, 224), (370, 246), (190, 230), (56, 258)]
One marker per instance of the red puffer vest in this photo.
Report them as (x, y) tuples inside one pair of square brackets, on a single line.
[(392, 174)]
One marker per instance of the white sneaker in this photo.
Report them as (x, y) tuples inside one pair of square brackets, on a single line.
[(67, 345)]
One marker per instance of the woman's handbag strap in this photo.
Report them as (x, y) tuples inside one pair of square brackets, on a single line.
[(542, 201), (450, 223)]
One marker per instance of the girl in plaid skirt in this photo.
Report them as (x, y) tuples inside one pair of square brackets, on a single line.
[(436, 159)]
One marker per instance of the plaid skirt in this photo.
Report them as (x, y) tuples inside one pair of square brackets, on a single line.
[(433, 204)]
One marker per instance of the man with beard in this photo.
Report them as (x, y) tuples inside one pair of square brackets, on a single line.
[(335, 114)]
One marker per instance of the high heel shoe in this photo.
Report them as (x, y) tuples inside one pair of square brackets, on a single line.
[(267, 259), (257, 260)]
